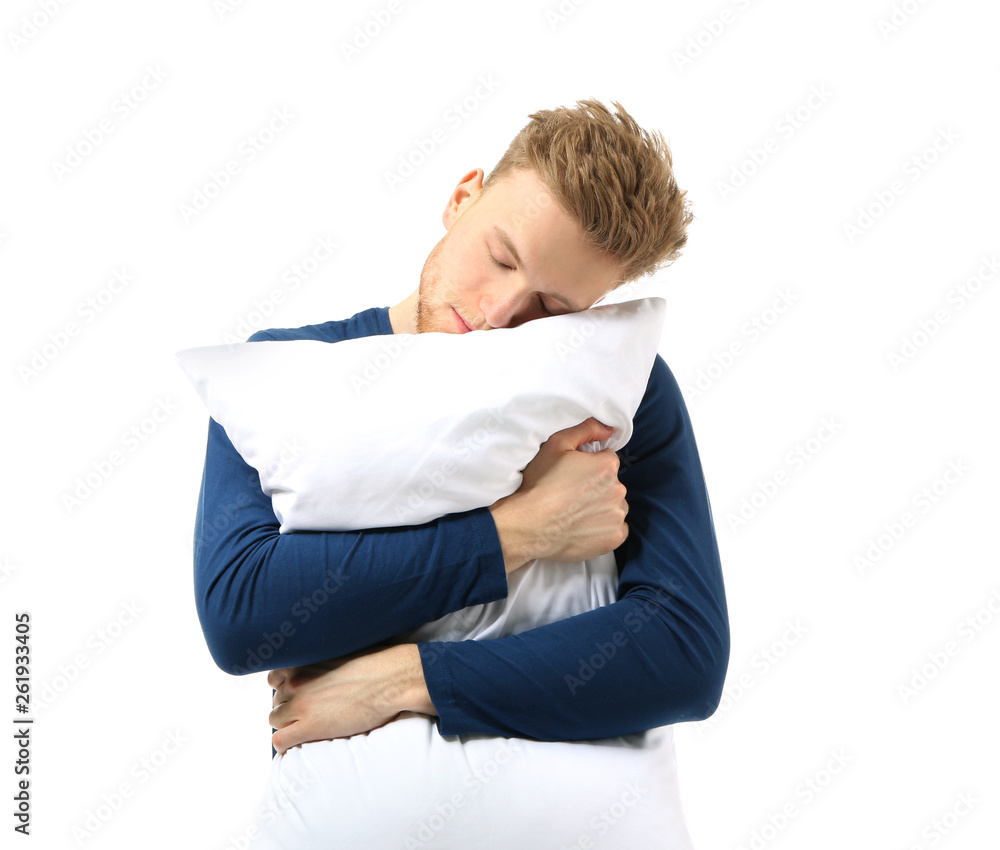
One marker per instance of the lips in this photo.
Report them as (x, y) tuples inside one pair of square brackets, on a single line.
[(463, 326)]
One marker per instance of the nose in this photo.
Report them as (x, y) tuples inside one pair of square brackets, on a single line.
[(506, 306)]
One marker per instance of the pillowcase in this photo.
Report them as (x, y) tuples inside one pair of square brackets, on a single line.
[(400, 429)]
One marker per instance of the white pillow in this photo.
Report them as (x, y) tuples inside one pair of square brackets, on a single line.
[(405, 786), (400, 429)]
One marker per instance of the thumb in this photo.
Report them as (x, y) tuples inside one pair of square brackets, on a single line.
[(587, 431)]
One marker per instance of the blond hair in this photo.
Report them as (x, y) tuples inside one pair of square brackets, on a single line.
[(611, 176)]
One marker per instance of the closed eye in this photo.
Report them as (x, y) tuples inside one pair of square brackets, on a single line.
[(541, 302), (502, 265)]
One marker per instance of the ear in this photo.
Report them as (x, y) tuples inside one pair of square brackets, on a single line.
[(465, 193)]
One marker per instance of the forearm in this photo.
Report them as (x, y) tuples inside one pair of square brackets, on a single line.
[(656, 656), (269, 600), (617, 670)]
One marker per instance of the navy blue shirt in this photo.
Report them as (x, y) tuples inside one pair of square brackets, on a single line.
[(657, 655)]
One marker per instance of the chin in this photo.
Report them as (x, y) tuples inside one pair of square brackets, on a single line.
[(433, 320), (434, 310)]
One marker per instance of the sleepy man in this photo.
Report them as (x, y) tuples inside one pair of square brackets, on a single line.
[(582, 202)]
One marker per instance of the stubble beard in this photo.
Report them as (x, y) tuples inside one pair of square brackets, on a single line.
[(429, 290)]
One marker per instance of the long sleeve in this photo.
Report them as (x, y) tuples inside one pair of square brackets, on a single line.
[(268, 600), (658, 655)]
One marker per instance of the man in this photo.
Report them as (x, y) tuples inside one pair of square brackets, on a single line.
[(583, 201)]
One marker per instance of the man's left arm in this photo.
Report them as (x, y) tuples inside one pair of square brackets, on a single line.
[(658, 655)]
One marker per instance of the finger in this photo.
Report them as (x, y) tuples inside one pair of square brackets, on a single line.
[(284, 692), (278, 744), (292, 735), (285, 738), (281, 715), (277, 677), (587, 431)]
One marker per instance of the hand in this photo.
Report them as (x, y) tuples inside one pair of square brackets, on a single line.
[(570, 505), (346, 696)]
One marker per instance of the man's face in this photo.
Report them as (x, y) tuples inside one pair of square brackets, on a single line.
[(509, 256)]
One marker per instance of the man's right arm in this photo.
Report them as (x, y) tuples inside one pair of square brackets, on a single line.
[(268, 600)]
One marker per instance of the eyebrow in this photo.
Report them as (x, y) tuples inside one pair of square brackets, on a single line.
[(505, 239)]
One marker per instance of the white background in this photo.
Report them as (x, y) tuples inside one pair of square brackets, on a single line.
[(717, 79)]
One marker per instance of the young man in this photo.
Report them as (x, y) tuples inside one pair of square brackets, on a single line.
[(583, 201)]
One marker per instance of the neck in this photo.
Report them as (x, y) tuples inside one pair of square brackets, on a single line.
[(403, 317)]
